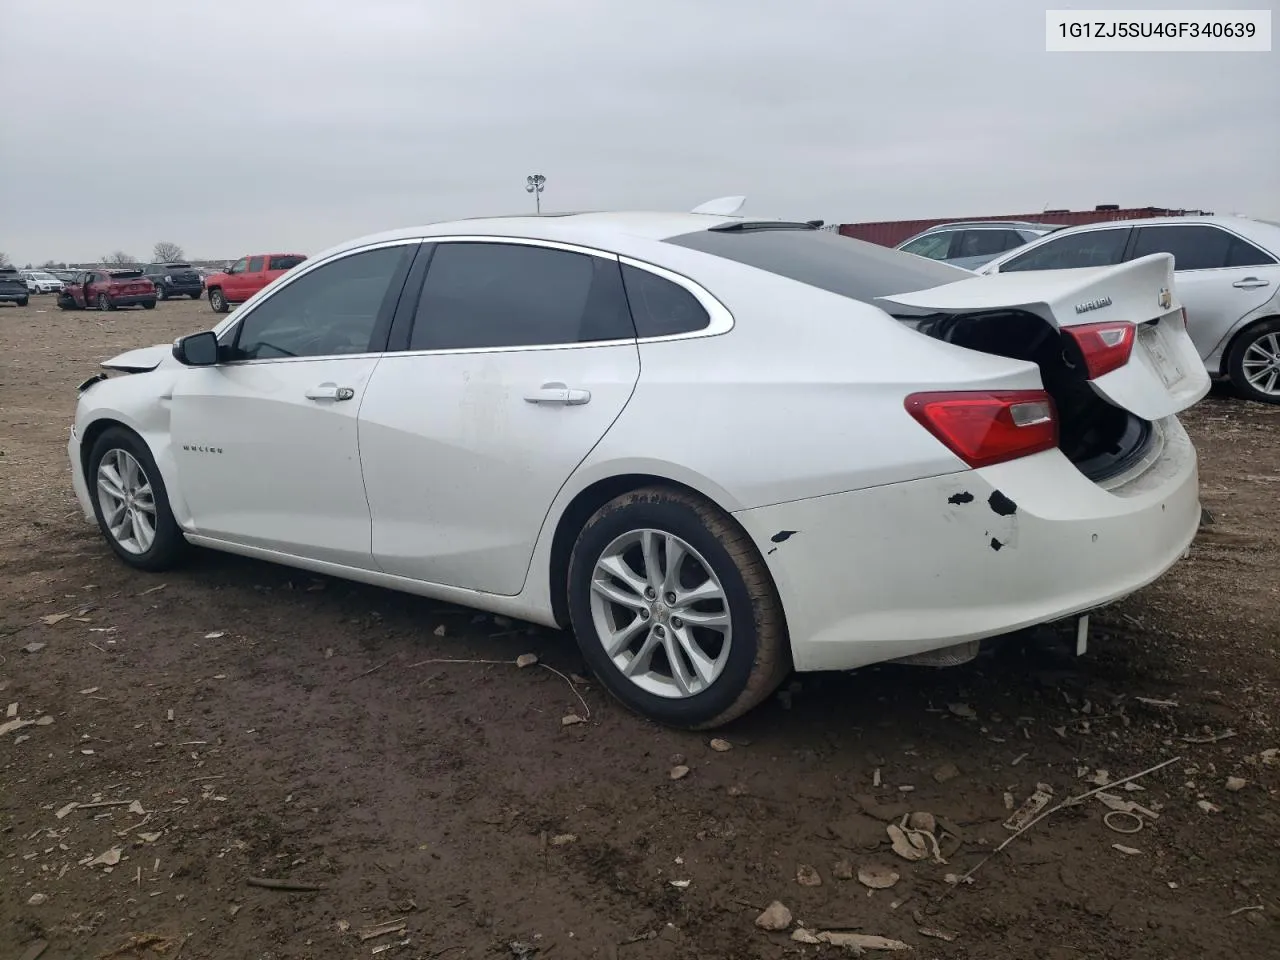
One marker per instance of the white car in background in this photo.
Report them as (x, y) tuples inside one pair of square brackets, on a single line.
[(971, 244), (1227, 271), (41, 281), (715, 447)]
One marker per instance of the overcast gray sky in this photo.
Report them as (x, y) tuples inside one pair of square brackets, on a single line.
[(237, 125)]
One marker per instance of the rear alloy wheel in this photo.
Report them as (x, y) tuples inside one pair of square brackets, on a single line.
[(1254, 366), (162, 292), (130, 502), (217, 302), (104, 302), (674, 609)]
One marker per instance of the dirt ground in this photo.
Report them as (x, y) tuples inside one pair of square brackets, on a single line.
[(269, 724)]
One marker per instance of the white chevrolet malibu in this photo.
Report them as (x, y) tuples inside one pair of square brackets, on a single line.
[(717, 448)]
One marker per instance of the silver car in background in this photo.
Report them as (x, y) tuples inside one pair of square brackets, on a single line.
[(970, 244)]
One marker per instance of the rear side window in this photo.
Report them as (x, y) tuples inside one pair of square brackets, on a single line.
[(1198, 247), (986, 243), (825, 259), (485, 295), (255, 264), (284, 263), (661, 308), (1092, 248)]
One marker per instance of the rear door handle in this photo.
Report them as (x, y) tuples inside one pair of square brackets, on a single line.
[(558, 393), (330, 391), (1249, 283)]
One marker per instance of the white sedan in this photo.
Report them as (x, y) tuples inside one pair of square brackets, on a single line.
[(1228, 275), (717, 448)]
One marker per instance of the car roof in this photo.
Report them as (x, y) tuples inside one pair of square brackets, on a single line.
[(1262, 232), (953, 224), (597, 229)]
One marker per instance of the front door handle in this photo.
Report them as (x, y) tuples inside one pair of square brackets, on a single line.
[(1249, 283), (330, 391), (558, 393)]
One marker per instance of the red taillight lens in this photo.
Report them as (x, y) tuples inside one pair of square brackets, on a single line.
[(1105, 346), (984, 428)]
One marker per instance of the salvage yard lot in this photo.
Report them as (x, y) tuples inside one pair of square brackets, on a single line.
[(271, 724)]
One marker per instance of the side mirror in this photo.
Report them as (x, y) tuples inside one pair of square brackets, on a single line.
[(197, 350)]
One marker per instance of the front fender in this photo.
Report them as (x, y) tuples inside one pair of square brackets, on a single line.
[(142, 403)]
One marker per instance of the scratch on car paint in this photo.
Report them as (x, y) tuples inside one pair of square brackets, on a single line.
[(963, 497), (782, 536), (996, 544), (1002, 504)]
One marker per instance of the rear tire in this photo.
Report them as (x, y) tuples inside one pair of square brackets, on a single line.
[(132, 490), (1254, 362), (104, 302), (148, 304), (161, 292), (196, 295), (217, 302), (742, 661), (23, 302)]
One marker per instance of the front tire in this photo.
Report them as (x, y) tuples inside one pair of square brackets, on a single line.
[(23, 302), (162, 292), (674, 609), (131, 503), (104, 302), (217, 302), (1254, 365)]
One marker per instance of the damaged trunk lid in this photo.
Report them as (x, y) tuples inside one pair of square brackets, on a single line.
[(1124, 331)]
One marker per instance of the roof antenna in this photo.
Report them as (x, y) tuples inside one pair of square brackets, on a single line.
[(721, 206)]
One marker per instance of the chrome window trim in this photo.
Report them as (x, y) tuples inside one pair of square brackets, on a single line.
[(720, 319)]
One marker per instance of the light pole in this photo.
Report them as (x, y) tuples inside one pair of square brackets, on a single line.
[(534, 183)]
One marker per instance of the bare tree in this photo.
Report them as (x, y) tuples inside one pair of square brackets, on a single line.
[(4, 260), (167, 252), (119, 259)]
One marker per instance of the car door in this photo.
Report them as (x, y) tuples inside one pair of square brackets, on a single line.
[(516, 358), (266, 443), (1221, 277), (233, 286), (254, 277), (1103, 247)]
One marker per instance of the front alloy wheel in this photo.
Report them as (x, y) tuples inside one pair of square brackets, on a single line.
[(674, 609), (217, 302), (130, 501)]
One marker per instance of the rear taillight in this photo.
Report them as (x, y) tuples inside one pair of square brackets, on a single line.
[(1104, 346), (983, 428)]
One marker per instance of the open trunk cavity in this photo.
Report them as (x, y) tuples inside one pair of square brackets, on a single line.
[(1101, 439)]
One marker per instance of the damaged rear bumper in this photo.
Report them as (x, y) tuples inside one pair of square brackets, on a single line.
[(906, 568)]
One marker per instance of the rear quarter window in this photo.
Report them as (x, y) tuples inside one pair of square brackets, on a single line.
[(659, 307)]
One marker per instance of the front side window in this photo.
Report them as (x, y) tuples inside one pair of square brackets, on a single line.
[(328, 312), (1090, 248), (255, 264), (485, 295), (238, 266), (935, 246)]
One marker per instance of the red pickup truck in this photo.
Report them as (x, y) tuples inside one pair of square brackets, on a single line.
[(107, 290), (246, 277)]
